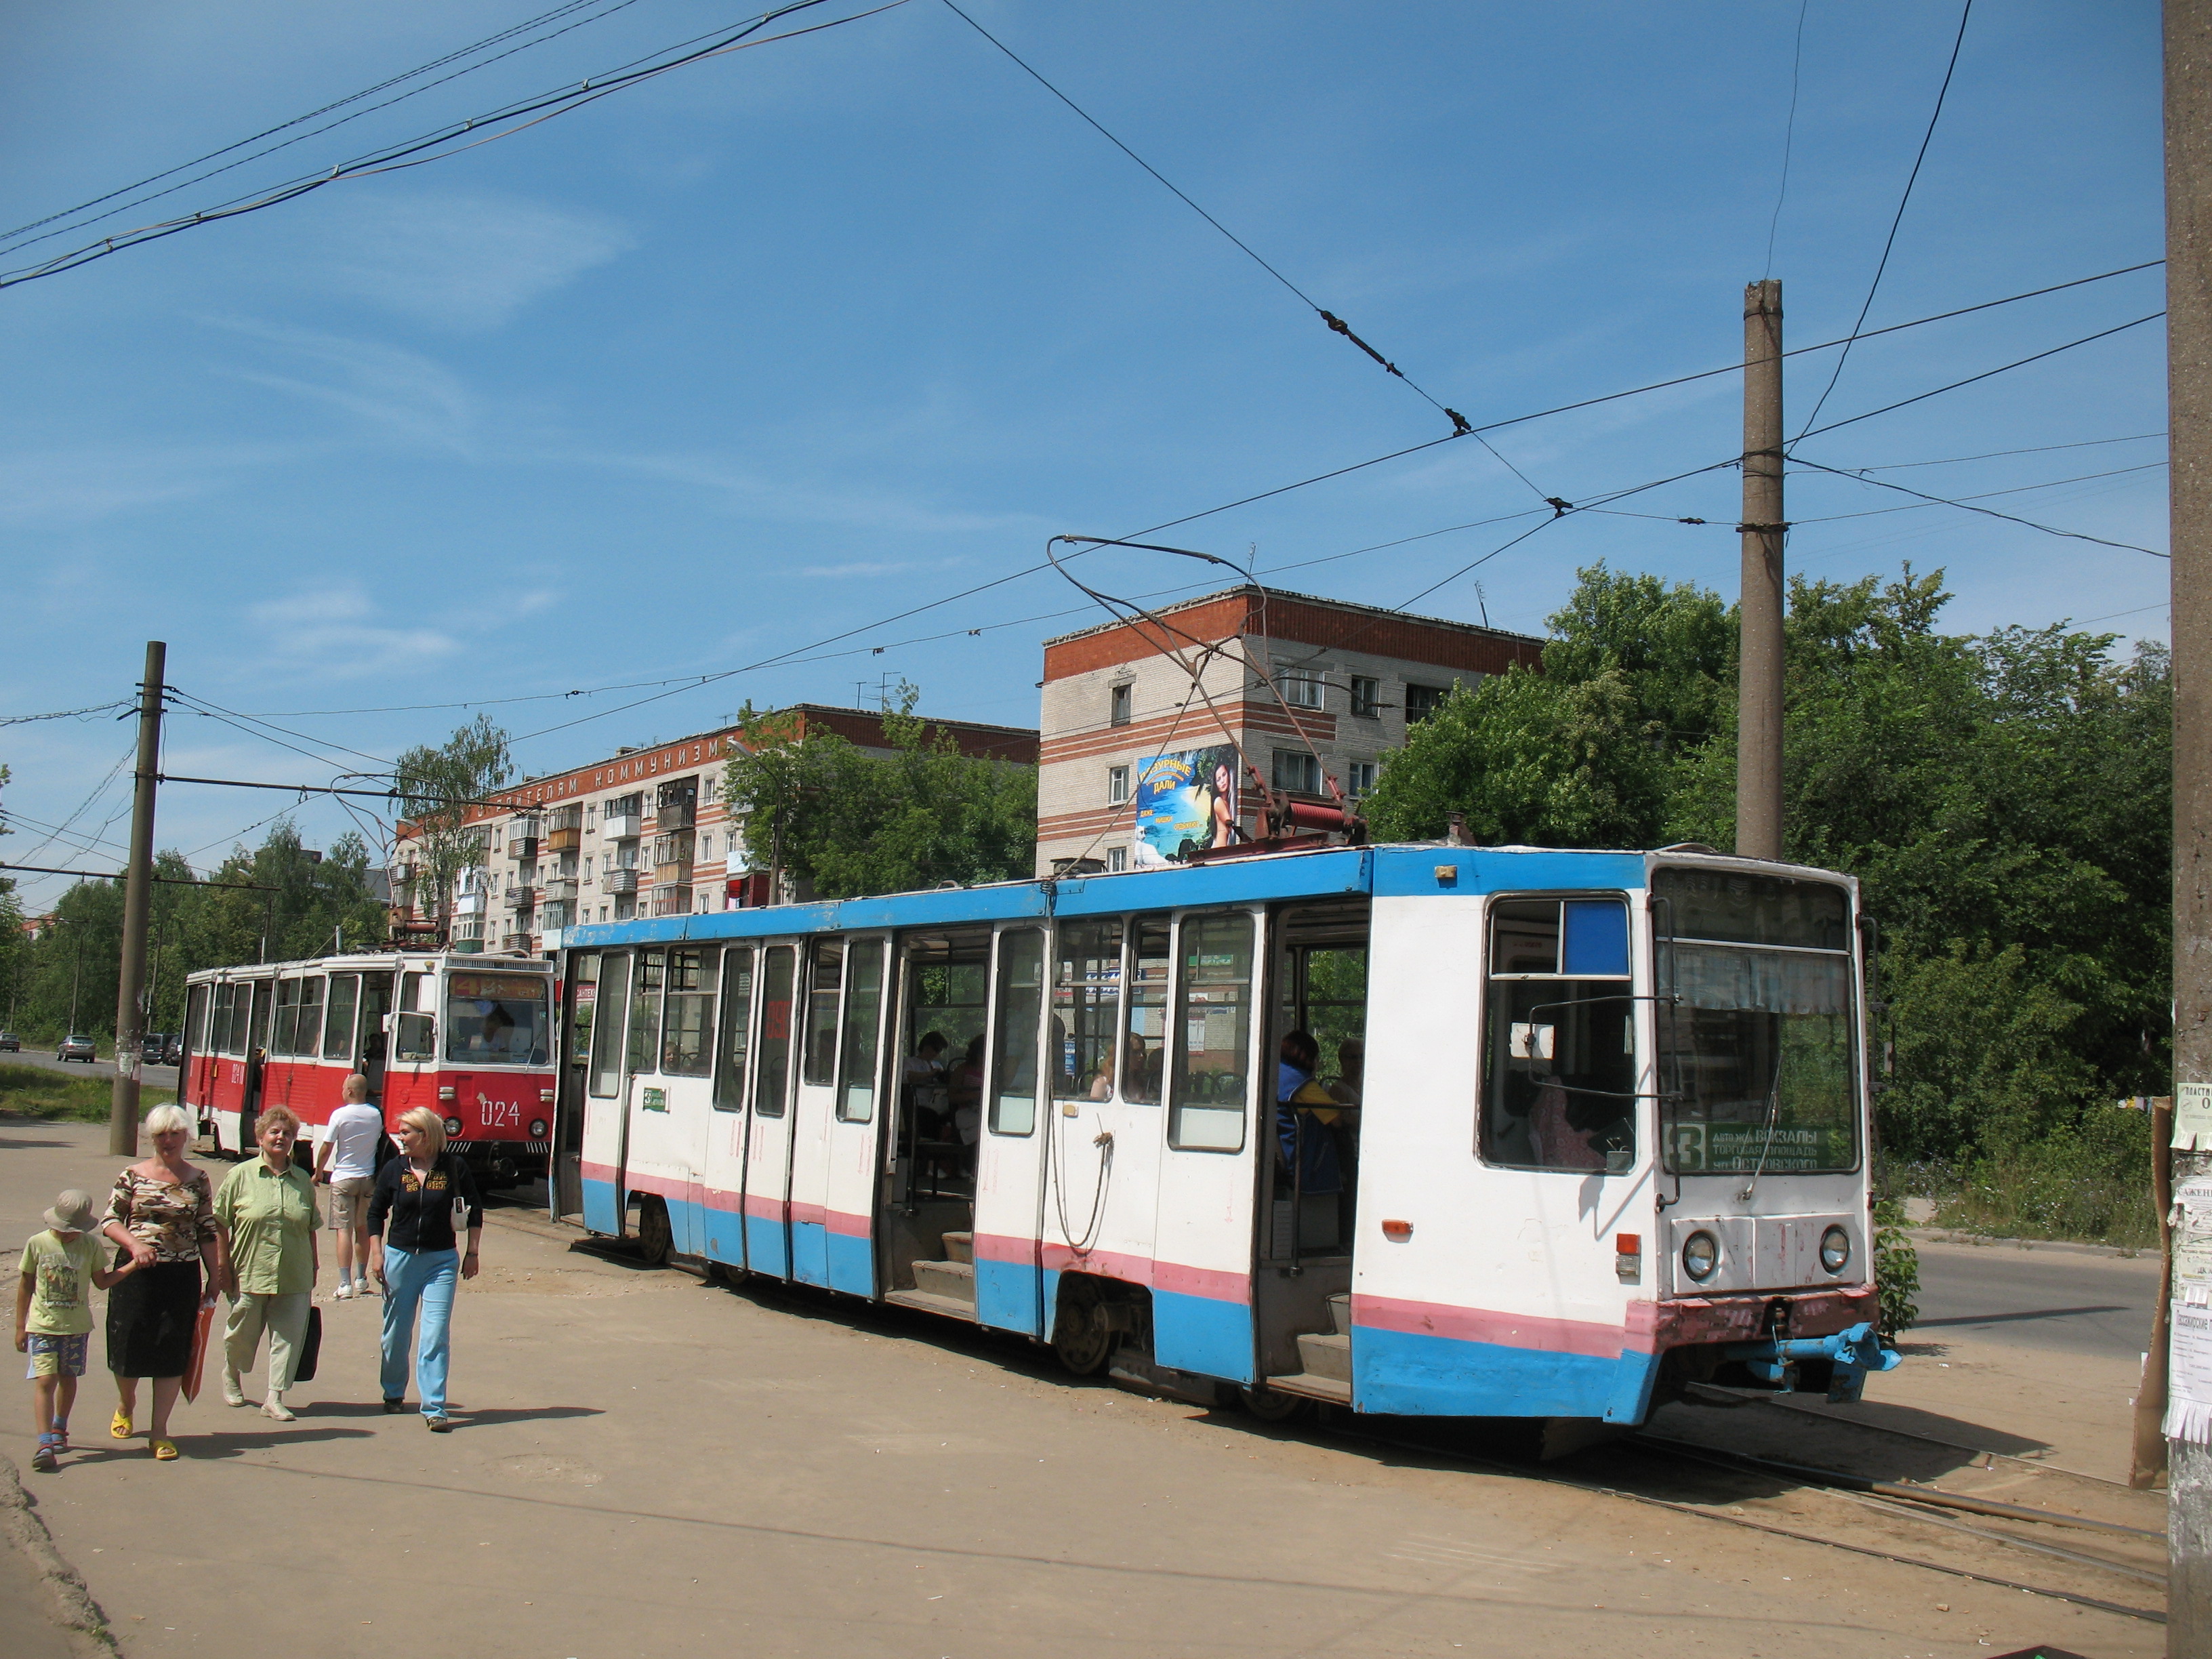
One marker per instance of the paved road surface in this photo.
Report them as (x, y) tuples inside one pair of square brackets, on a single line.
[(154, 1077), (2052, 1300), (642, 1463)]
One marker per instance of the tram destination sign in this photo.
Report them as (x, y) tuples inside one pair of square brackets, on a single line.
[(1733, 1148)]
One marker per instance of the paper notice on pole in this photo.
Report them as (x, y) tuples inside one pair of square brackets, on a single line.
[(2192, 1236), (2189, 1374), (2192, 1117)]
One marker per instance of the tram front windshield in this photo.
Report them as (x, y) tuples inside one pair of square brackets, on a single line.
[(1757, 1024), (496, 1019)]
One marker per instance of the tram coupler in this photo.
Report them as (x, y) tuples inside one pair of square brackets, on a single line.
[(1849, 1354)]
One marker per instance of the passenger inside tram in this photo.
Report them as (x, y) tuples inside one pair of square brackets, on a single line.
[(1562, 1061), (1323, 1010)]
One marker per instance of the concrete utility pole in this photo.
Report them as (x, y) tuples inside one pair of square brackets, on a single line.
[(137, 894), (1758, 686), (2189, 398)]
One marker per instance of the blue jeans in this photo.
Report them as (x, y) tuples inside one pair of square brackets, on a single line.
[(428, 1276)]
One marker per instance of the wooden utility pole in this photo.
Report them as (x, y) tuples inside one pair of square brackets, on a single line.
[(137, 895), (2188, 398), (1758, 661)]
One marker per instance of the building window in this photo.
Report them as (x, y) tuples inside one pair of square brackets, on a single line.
[(1366, 696), (1117, 703), (1298, 772), (1359, 777), (602, 912), (1300, 684), (1423, 700), (587, 866), (1117, 859), (1117, 785), (706, 843)]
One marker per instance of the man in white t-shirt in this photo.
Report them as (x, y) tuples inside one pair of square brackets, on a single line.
[(347, 1161)]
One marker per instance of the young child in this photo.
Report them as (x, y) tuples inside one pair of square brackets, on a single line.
[(53, 1316)]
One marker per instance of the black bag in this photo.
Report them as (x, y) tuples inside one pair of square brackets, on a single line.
[(311, 1346)]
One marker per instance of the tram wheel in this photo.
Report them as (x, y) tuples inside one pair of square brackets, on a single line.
[(1270, 1407), (654, 1236), (1081, 1337)]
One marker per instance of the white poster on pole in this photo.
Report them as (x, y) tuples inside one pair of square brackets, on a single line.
[(2192, 1117), (2189, 1352)]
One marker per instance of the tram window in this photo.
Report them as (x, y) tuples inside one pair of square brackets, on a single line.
[(737, 1029), (1561, 1037), (687, 1031), (219, 1001), (820, 1058), (1213, 1033), (337, 1024), (414, 1038), (1014, 1043), (609, 997), (772, 1085), (196, 1002), (864, 1007), (257, 1020), (650, 975), (583, 1004), (1143, 1045), (298, 1024), (1086, 998), (498, 1019)]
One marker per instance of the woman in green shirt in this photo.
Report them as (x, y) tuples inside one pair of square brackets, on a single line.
[(266, 1213)]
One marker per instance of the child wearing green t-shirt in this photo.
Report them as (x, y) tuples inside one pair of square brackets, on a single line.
[(53, 1316)]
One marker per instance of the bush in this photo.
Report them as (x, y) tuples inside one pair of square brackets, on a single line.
[(1896, 1272), (2091, 1181)]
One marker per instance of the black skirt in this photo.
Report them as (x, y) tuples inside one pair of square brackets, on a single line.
[(150, 1317)]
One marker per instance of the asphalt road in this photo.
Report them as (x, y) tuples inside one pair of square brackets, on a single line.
[(2059, 1301), (154, 1077)]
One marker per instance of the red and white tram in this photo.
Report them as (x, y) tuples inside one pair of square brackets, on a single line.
[(468, 1035)]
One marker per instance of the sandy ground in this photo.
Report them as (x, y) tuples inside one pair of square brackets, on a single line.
[(645, 1463)]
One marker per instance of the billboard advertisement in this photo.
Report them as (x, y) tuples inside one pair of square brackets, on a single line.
[(1184, 801)]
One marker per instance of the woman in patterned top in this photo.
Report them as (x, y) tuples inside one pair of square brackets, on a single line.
[(162, 1212)]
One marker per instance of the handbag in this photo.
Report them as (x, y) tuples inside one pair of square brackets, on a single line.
[(196, 1363), (311, 1346)]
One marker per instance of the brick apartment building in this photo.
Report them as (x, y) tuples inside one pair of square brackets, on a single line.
[(1134, 764), (643, 832)]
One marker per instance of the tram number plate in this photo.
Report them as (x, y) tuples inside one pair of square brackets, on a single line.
[(502, 1115), (656, 1100)]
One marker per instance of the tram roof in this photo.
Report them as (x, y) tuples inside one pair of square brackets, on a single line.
[(1396, 871)]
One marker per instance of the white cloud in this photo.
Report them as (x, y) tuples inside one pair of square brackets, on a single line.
[(463, 262), (95, 482), (336, 629), (410, 395)]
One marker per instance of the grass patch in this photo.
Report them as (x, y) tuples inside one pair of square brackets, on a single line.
[(33, 1091), (2089, 1184)]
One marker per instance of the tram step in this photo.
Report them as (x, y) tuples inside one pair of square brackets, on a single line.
[(955, 1279), (1327, 1354), (952, 1307), (1340, 1314), (1334, 1390), (960, 1247)]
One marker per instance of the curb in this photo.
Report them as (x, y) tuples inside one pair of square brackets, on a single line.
[(74, 1610), (1990, 1242)]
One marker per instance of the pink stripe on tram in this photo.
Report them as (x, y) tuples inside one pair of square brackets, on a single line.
[(1504, 1330)]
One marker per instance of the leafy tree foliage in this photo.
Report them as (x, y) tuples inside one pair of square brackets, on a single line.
[(435, 784), (849, 822), (2003, 799)]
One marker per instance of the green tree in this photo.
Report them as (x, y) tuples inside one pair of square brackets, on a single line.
[(849, 822), (435, 784)]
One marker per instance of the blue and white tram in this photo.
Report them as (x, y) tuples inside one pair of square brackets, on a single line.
[(1416, 1129)]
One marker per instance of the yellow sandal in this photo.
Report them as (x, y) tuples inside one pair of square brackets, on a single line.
[(165, 1450), (119, 1427)]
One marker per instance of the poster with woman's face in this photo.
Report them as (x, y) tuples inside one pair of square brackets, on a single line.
[(1184, 802)]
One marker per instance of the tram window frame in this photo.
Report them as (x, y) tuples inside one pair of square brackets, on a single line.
[(1080, 1064), (1012, 1113), (219, 1001), (817, 1047), (337, 1025), (687, 1020), (861, 1026), (648, 983), (733, 1043), (415, 1028), (197, 1005), (1197, 1123), (1577, 961), (772, 1067), (1145, 1001), (611, 1005)]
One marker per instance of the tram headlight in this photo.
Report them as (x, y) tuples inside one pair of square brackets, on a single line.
[(452, 1126), (538, 1128), (1701, 1254), (1835, 1250)]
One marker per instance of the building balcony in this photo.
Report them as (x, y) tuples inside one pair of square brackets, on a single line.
[(518, 943), (521, 897), (676, 872), (522, 846), (672, 900), (561, 888), (681, 815), (622, 826), (556, 915), (564, 840), (619, 881), (468, 904)]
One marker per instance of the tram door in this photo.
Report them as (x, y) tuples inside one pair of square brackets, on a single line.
[(1011, 1284), (565, 1178), (768, 1148), (671, 997), (854, 1129), (1214, 1082), (605, 1120), (722, 1152), (256, 1055)]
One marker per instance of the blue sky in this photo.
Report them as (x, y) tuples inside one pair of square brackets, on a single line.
[(795, 340)]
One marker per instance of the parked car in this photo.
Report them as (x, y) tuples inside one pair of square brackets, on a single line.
[(152, 1046), (76, 1047), (172, 1049), (10, 1043)]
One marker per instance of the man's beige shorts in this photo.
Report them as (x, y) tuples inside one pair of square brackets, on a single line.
[(350, 1202)]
